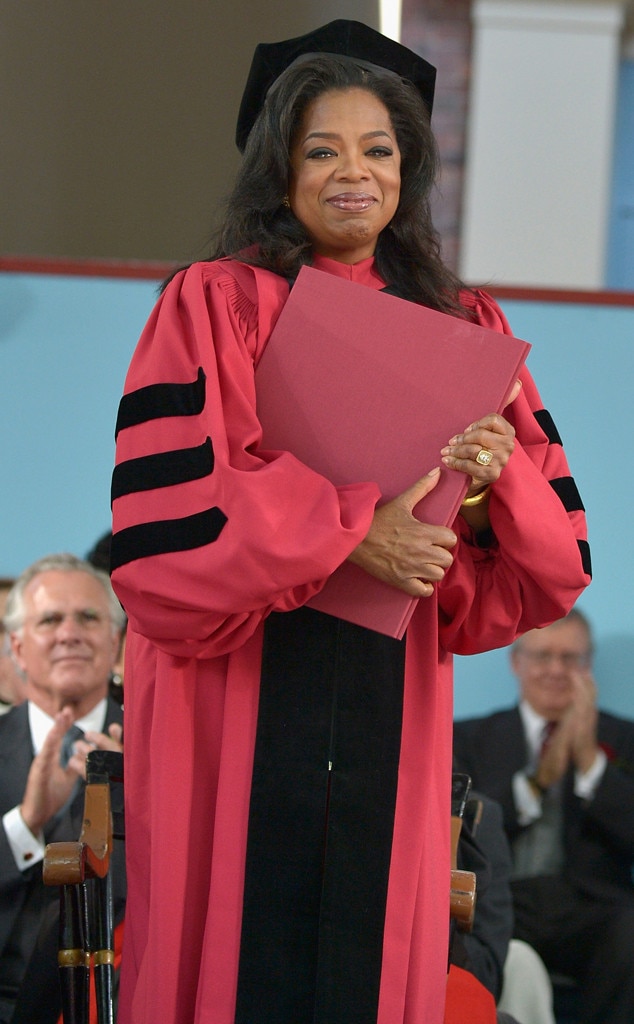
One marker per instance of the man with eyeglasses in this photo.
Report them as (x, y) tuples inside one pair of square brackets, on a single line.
[(563, 772), (64, 622)]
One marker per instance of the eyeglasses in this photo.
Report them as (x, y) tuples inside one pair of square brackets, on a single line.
[(569, 659)]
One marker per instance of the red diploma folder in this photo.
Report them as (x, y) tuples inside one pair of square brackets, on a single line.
[(361, 385)]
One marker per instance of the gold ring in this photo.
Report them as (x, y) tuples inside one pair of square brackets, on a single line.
[(484, 457)]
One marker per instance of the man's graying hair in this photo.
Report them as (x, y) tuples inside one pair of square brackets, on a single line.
[(15, 613), (574, 615)]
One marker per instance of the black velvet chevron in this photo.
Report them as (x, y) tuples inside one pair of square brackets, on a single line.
[(166, 535), (566, 490), (157, 401), (564, 486), (163, 469), (547, 424), (586, 561)]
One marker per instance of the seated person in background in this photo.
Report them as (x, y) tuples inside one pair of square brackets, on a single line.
[(99, 556), (11, 682), (527, 991), (483, 848), (564, 775), (64, 623)]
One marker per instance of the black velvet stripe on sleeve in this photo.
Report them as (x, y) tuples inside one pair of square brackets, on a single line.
[(163, 469), (586, 561), (321, 819), (165, 536), (564, 486), (157, 401), (547, 424), (566, 489)]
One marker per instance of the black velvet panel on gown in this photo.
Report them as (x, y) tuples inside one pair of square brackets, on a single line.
[(321, 822)]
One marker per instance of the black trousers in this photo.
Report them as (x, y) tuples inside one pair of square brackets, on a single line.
[(583, 937)]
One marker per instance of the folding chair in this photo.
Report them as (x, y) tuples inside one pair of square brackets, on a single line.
[(462, 896), (86, 920)]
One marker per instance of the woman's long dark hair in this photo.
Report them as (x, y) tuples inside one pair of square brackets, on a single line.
[(407, 252)]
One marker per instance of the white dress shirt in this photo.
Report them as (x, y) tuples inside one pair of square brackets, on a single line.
[(527, 802)]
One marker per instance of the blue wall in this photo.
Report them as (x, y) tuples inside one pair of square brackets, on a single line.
[(583, 361), (65, 344)]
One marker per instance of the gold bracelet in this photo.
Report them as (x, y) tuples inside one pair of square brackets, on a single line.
[(476, 499)]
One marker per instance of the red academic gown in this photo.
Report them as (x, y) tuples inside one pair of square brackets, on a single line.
[(211, 535)]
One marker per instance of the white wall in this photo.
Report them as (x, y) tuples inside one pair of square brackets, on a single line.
[(540, 142)]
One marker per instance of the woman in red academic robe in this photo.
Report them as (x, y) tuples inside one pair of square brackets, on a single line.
[(287, 772)]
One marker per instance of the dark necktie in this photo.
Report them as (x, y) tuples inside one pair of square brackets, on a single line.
[(547, 733), (66, 750), (538, 850)]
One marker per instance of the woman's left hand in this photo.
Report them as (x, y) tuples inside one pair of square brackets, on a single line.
[(483, 450)]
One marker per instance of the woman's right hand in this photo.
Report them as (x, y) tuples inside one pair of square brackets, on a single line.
[(402, 551)]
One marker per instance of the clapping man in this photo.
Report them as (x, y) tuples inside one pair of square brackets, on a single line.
[(563, 772), (65, 623)]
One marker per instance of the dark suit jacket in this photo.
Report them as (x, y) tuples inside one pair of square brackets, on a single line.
[(24, 898), (598, 834), (487, 854)]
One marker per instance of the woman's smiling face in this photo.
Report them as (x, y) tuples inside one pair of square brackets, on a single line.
[(345, 173)]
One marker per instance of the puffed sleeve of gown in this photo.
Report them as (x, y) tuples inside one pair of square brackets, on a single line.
[(536, 561), (210, 533)]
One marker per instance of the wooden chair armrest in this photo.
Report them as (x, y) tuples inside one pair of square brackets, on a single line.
[(462, 899), (89, 857), (462, 893)]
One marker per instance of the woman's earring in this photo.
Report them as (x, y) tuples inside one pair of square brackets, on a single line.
[(286, 202)]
